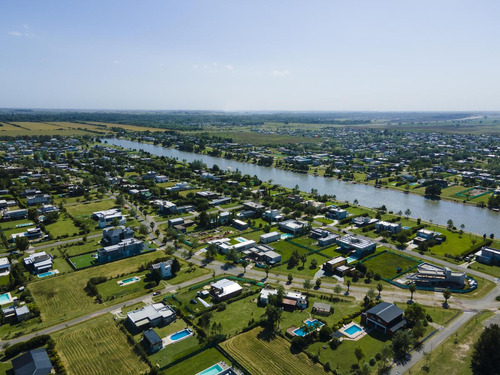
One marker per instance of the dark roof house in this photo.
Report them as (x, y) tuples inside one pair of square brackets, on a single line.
[(34, 362), (385, 316)]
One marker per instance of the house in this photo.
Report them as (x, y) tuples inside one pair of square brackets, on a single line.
[(161, 178), (46, 208), (263, 253), (38, 199), (271, 257), (272, 215), (152, 341), (431, 276), (175, 221), (385, 316), (224, 217), (362, 221), (486, 255), (294, 300), (359, 247), (270, 237), (151, 175), (34, 362), (239, 224), (291, 226), (252, 206), (14, 312), (332, 264), (323, 236), (165, 268), (166, 207), (226, 244), (265, 293), (123, 249), (106, 218), (31, 234), (151, 316), (224, 289), (38, 262), (207, 194), (321, 308), (424, 235), (4, 266), (15, 214), (383, 226), (220, 201), (336, 213), (112, 236), (179, 186)]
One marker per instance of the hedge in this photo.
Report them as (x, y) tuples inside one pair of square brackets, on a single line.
[(25, 346)]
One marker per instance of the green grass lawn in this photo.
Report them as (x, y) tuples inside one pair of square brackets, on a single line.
[(197, 363), (97, 347), (87, 208), (453, 356), (386, 264), (62, 227), (63, 297), (286, 249), (307, 271), (439, 315)]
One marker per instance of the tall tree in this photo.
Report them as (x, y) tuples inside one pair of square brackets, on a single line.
[(486, 356)]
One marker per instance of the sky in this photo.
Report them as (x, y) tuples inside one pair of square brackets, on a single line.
[(238, 55)]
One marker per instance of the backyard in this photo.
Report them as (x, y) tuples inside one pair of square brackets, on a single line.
[(387, 264)]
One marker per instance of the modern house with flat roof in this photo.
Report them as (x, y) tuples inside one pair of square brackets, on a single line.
[(359, 247), (151, 316), (112, 236), (272, 215), (165, 268), (106, 218), (294, 300), (323, 236), (224, 289), (291, 226), (14, 214), (488, 255), (265, 293), (431, 275), (226, 244), (38, 262), (382, 226), (152, 341), (4, 266), (34, 362), (332, 264), (270, 237), (385, 316), (336, 213), (239, 224), (123, 249)]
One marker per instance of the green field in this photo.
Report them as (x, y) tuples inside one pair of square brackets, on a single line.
[(97, 347), (86, 209), (266, 357), (63, 297), (63, 226), (197, 363), (386, 264)]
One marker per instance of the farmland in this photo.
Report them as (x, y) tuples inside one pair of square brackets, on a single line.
[(98, 347), (261, 356)]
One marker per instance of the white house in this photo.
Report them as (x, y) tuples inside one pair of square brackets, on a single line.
[(270, 237)]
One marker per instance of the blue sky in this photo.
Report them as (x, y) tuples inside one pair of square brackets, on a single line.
[(250, 55)]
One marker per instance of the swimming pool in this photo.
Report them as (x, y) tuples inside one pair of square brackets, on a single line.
[(285, 236), (5, 298), (241, 239), (351, 259), (45, 274), (181, 334), (352, 330), (213, 370), (315, 324), (130, 280)]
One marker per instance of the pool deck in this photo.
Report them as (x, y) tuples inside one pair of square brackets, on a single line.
[(167, 340), (121, 283), (354, 337), (55, 272), (222, 364), (9, 301)]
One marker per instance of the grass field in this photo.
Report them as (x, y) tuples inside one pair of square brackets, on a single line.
[(86, 209), (62, 227), (454, 358), (197, 363), (62, 298), (386, 264), (268, 357), (97, 347)]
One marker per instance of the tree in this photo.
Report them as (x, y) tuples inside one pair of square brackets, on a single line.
[(203, 219), (120, 200), (303, 259), (418, 331), (290, 278), (314, 264), (486, 356), (115, 222), (176, 266), (415, 313), (348, 283), (307, 284), (152, 225), (245, 263), (401, 343), (337, 289), (358, 352), (412, 288), (407, 213), (380, 287), (22, 243), (446, 295), (268, 268), (272, 318), (143, 230), (318, 283), (433, 190)]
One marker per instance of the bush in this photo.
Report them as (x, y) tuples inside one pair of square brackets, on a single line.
[(32, 343), (325, 332), (372, 361), (334, 343)]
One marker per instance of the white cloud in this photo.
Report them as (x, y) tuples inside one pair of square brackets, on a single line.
[(118, 62), (229, 67), (281, 73), (15, 33)]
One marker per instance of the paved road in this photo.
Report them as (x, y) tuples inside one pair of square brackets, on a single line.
[(433, 342)]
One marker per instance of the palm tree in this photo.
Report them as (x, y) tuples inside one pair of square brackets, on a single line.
[(379, 288), (413, 288), (348, 283), (267, 270), (244, 263), (446, 295)]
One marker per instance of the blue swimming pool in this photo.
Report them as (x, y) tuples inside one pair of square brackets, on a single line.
[(315, 324), (5, 298), (180, 335), (285, 236), (130, 280), (45, 274), (352, 330), (213, 370), (351, 259)]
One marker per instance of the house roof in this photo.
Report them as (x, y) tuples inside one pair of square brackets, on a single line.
[(322, 306), (152, 337), (386, 311), (34, 362)]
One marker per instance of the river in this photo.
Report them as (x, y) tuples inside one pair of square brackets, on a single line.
[(475, 219)]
